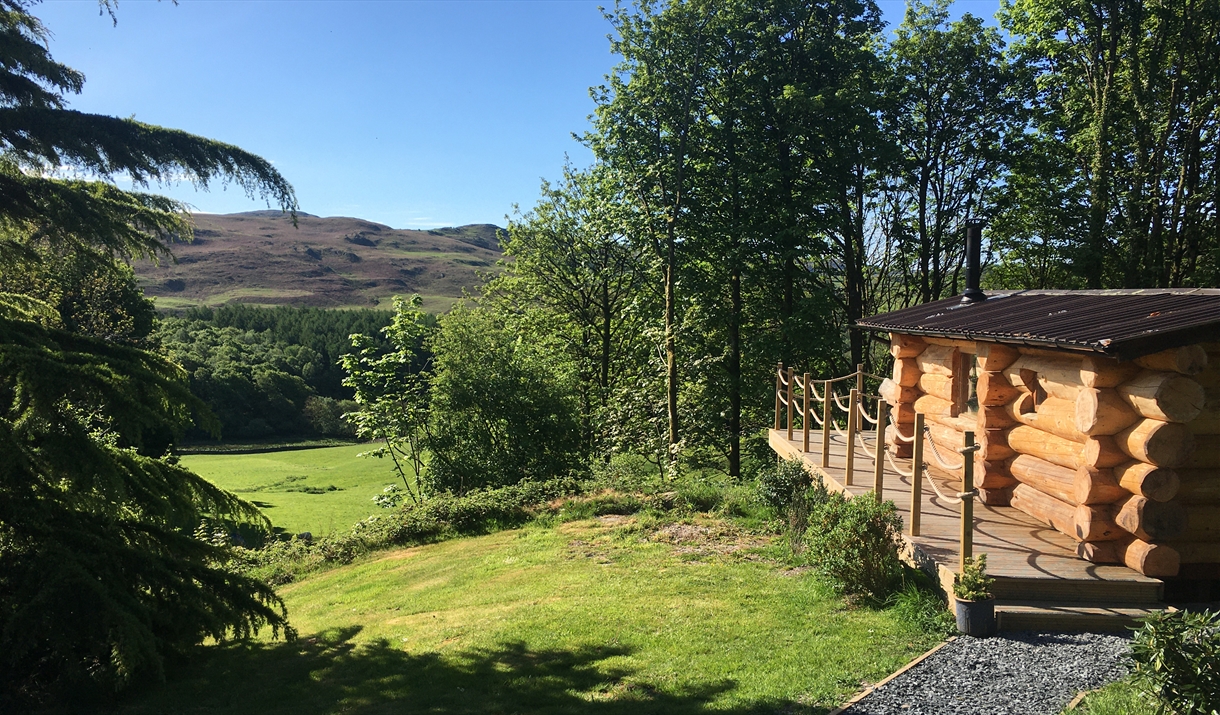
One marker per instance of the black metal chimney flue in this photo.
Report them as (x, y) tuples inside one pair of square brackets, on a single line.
[(974, 257)]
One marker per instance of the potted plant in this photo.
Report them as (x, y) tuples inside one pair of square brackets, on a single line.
[(973, 602)]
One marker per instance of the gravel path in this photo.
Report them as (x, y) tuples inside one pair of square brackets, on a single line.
[(1010, 674)]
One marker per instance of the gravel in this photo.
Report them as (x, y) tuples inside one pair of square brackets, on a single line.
[(1009, 674)]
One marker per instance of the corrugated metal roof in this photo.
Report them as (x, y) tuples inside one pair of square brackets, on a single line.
[(1122, 323)]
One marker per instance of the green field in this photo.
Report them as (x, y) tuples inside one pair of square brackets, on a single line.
[(597, 616), (315, 490)]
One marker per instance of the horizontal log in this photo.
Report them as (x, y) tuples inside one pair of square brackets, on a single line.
[(1100, 371), (1048, 478), (1206, 454), (1202, 523), (1199, 486), (1211, 376), (1020, 377), (906, 372), (995, 416), (993, 356), (993, 389), (1188, 360), (966, 346), (1098, 486), (1146, 480), (896, 394), (1165, 444), (993, 445), (1151, 520), (1059, 376), (1198, 552), (1056, 450), (948, 439), (1083, 523), (1053, 415), (933, 405), (996, 497), (937, 385), (1102, 452), (1165, 396), (937, 359), (1207, 421), (1103, 411), (992, 474), (1074, 486), (1157, 560), (906, 346)]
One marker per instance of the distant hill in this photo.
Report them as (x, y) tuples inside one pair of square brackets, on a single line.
[(258, 257)]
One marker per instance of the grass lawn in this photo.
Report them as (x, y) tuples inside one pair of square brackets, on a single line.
[(294, 487), (595, 616)]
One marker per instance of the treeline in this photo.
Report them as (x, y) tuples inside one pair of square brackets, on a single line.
[(767, 172), (269, 372)]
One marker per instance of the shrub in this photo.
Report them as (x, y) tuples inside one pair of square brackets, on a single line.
[(502, 409), (973, 583), (855, 542), (782, 485), (441, 516), (1176, 657)]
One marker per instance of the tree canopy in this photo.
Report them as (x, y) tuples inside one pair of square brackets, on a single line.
[(101, 576)]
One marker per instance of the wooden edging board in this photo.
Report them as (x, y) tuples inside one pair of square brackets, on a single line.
[(864, 693)]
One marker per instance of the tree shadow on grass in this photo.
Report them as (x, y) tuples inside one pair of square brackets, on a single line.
[(329, 673)]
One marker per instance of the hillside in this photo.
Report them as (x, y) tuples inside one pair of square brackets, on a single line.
[(259, 257)]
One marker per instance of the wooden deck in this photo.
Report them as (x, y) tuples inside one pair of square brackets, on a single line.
[(1040, 582)]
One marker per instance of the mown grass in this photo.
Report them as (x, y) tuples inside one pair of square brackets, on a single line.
[(610, 615), (316, 490), (1118, 698)]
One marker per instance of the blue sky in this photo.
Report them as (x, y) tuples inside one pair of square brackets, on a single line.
[(412, 114)]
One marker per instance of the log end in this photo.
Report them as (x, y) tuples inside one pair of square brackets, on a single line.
[(1152, 559)]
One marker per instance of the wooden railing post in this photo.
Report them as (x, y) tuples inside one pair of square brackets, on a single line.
[(790, 405), (805, 414), (883, 413), (967, 538), (852, 406), (860, 378), (827, 414), (917, 476), (779, 384)]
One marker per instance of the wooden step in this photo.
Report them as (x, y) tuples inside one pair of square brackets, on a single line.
[(1069, 618), (1096, 592)]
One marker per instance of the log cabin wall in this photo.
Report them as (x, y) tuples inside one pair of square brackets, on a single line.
[(1122, 457), (1199, 478)]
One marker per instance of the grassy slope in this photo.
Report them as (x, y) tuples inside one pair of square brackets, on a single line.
[(587, 617), (266, 479)]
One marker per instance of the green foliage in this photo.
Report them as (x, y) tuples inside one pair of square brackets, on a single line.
[(268, 372), (1122, 697), (782, 486), (919, 604), (326, 332), (439, 517), (101, 577), (973, 583), (392, 390), (1175, 657), (854, 543), (503, 409)]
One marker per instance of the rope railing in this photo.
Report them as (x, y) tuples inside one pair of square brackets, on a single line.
[(794, 396)]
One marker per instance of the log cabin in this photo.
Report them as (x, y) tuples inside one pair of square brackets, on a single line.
[(1097, 412)]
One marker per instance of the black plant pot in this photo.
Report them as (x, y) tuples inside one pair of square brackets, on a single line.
[(975, 618)]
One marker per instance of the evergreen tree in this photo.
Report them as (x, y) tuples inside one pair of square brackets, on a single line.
[(100, 575)]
